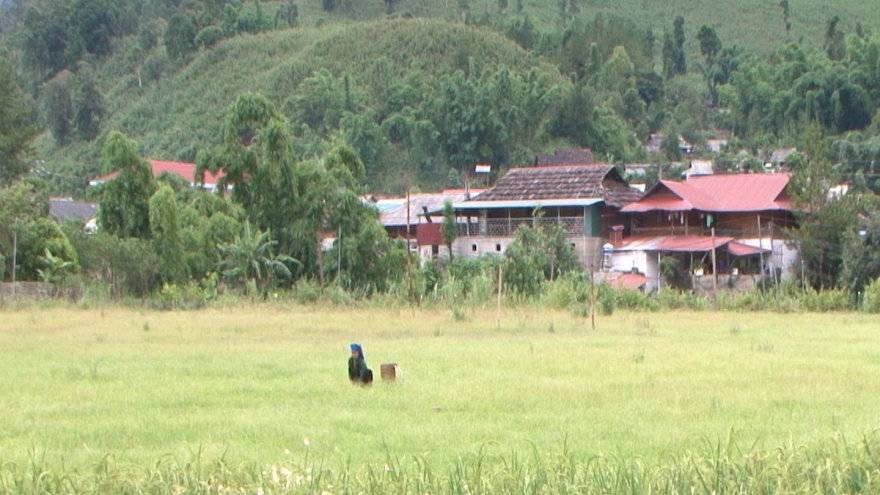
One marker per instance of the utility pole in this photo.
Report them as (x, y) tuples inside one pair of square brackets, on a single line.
[(714, 273), (592, 300), (408, 252), (14, 255)]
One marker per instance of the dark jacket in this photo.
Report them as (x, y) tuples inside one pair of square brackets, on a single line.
[(358, 371)]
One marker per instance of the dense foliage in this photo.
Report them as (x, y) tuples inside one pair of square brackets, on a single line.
[(325, 108)]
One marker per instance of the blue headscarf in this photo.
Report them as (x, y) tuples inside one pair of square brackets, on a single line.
[(357, 348)]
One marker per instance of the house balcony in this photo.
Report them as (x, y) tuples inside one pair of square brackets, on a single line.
[(506, 227)]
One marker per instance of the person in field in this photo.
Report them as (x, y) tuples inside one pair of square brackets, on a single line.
[(358, 372)]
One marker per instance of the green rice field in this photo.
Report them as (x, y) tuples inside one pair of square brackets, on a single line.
[(266, 385)]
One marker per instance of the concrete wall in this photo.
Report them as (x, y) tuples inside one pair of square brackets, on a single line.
[(26, 291), (644, 262), (588, 250), (780, 256)]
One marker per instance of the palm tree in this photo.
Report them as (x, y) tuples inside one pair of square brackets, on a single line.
[(56, 267), (251, 257)]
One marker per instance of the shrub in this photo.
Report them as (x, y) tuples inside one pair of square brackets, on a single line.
[(567, 291), (871, 301), (338, 296), (827, 300), (635, 299), (189, 296), (306, 291), (606, 299), (482, 290), (452, 292)]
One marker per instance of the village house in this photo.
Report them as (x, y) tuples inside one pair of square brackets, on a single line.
[(183, 169), (68, 210), (581, 199), (723, 231), (406, 218)]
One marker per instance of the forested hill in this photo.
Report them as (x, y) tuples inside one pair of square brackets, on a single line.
[(423, 89), (378, 61)]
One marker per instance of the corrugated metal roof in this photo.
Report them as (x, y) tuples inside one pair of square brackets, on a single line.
[(684, 243), (630, 281), (185, 170), (718, 193), (395, 216), (740, 249)]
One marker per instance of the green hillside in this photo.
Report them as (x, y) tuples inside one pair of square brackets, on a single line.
[(755, 25), (179, 109), (275, 64), (178, 116)]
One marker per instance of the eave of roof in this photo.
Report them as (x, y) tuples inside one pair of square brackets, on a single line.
[(681, 243), (524, 203), (740, 249)]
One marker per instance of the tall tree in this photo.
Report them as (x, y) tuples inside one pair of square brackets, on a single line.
[(786, 15), (822, 221), (710, 44), (87, 104), (450, 226), (124, 205), (180, 37), (835, 44), (20, 204), (861, 247), (669, 56), (91, 25), (16, 133), (44, 38), (57, 108), (678, 37), (165, 218)]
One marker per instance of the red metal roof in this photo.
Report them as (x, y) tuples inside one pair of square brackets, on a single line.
[(717, 193), (688, 243), (631, 281), (185, 170), (684, 243), (739, 249), (692, 243)]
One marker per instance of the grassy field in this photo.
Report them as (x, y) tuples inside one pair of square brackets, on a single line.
[(262, 384)]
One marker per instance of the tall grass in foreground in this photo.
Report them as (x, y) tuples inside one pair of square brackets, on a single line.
[(831, 466)]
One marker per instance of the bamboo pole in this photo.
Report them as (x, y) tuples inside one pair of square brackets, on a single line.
[(408, 252), (498, 306), (714, 273)]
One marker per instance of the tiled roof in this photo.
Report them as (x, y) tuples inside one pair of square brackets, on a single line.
[(718, 193), (566, 157), (562, 182)]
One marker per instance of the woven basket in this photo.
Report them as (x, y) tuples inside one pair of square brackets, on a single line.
[(388, 371)]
